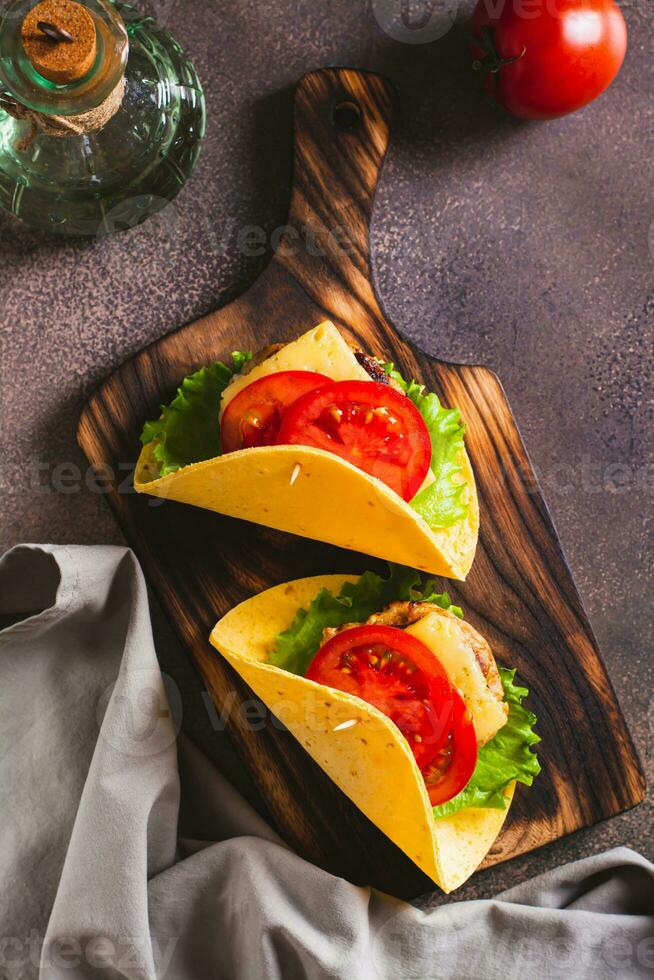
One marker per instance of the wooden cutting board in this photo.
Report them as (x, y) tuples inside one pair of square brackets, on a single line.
[(519, 594)]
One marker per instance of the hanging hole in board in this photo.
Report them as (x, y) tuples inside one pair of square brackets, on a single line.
[(346, 115)]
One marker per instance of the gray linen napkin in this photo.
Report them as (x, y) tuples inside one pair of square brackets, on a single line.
[(98, 880)]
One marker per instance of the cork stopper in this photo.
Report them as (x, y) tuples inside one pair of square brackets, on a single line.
[(59, 38)]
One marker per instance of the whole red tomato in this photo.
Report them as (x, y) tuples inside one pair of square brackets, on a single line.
[(546, 58)]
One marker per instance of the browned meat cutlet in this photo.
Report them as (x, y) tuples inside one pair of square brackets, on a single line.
[(374, 369), (371, 366), (403, 614)]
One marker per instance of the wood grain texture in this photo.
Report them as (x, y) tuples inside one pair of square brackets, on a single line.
[(520, 593)]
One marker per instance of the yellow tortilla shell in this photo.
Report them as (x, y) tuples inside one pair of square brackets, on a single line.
[(315, 494), (370, 761)]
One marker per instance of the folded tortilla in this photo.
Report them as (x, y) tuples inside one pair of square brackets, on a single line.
[(370, 760), (313, 493)]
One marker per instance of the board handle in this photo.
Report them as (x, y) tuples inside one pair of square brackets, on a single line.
[(342, 130)]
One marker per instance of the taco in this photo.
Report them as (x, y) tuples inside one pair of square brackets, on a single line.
[(399, 700), (323, 441)]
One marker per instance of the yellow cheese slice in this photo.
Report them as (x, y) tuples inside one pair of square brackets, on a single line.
[(444, 638), (321, 349)]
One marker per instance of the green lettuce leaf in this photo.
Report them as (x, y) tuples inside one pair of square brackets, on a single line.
[(440, 503), (187, 430), (507, 757), (297, 646)]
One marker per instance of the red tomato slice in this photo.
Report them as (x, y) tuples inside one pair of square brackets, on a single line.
[(450, 770), (254, 416), (396, 673), (368, 423)]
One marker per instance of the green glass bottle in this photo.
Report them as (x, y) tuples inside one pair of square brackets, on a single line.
[(93, 154)]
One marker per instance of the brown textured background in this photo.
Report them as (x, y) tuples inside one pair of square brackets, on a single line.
[(528, 247)]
